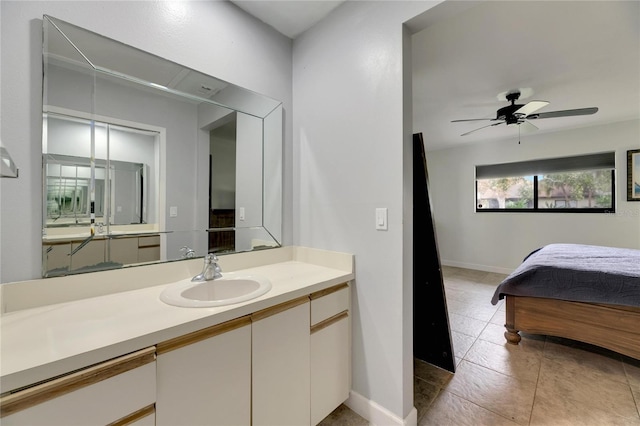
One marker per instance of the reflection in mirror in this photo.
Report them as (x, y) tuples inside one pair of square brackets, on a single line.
[(67, 192), (222, 186), (145, 160), (127, 197)]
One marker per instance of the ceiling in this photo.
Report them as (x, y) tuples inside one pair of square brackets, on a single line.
[(289, 17), (573, 54)]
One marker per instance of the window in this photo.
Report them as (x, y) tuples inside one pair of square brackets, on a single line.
[(571, 184), (509, 192)]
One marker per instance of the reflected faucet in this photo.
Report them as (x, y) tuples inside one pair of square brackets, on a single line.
[(211, 269), (187, 252)]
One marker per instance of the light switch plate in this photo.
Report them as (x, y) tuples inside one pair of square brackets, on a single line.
[(381, 219), (173, 211), (241, 213)]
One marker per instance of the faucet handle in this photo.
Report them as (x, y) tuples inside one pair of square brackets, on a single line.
[(211, 258)]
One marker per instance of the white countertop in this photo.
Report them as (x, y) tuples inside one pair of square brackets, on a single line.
[(72, 233), (97, 236), (43, 342)]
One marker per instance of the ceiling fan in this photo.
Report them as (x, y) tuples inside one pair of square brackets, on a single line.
[(520, 114)]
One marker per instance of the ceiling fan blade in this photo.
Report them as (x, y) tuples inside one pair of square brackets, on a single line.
[(483, 127), (472, 119), (530, 107), (526, 127), (563, 113)]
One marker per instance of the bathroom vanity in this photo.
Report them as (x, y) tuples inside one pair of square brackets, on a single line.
[(129, 358), (124, 249)]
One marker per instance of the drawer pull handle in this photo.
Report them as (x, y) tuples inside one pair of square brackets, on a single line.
[(329, 321)]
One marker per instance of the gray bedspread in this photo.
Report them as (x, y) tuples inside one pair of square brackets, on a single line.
[(577, 272)]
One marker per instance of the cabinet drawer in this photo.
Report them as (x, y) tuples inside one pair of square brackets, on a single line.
[(103, 394), (150, 241), (329, 302), (148, 254)]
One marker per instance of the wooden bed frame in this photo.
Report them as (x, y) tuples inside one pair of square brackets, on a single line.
[(609, 326)]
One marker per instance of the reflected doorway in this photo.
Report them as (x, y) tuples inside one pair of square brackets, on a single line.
[(222, 185)]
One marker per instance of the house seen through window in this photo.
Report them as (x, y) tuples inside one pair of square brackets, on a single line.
[(570, 184)]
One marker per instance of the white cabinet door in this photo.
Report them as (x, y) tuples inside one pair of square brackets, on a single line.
[(330, 368), (280, 358), (97, 395), (330, 350), (123, 250), (204, 378)]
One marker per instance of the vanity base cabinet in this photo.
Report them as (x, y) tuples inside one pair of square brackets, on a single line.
[(204, 378), (119, 391), (289, 364), (126, 250), (280, 359)]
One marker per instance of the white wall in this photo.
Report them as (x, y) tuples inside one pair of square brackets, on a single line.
[(249, 170), (499, 241), (349, 130), (214, 37)]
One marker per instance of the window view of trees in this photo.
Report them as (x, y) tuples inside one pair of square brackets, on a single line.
[(590, 189), (505, 193), (585, 190)]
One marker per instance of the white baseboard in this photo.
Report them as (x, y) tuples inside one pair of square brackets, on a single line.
[(376, 414), (485, 268)]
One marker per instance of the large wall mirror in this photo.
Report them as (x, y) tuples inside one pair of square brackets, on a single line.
[(145, 160)]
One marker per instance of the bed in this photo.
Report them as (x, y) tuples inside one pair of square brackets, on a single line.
[(581, 292)]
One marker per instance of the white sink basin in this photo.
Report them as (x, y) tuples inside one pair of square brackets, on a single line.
[(229, 289)]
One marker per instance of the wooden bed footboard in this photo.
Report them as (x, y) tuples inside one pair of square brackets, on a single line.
[(616, 328)]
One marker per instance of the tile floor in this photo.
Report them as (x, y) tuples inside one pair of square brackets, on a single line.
[(543, 381)]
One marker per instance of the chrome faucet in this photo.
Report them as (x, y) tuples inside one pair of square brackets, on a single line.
[(211, 269), (187, 252)]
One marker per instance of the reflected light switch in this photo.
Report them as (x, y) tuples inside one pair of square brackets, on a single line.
[(173, 211), (381, 219)]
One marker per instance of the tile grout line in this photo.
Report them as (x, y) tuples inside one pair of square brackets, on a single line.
[(636, 400), (535, 392)]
